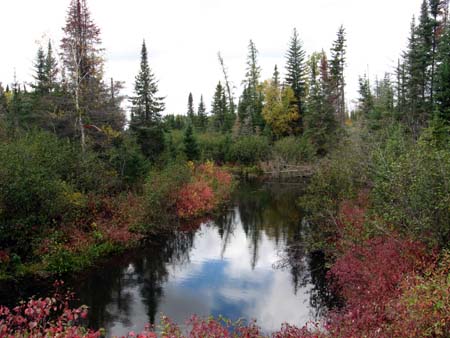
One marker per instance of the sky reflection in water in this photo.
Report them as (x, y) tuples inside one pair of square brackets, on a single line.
[(224, 268)]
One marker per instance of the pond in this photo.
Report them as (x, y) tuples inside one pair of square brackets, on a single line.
[(231, 266)]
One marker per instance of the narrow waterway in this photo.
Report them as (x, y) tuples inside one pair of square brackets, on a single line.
[(235, 265)]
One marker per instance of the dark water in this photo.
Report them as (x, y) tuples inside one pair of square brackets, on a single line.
[(229, 266)]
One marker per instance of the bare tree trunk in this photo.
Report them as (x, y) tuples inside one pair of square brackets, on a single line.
[(227, 83), (77, 83)]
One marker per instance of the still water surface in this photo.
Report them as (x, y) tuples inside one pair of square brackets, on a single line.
[(228, 266)]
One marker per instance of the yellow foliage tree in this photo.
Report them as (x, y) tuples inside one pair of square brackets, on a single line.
[(280, 111)]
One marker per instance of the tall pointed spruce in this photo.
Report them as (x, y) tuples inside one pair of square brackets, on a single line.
[(190, 108), (190, 144), (202, 118), (337, 78), (146, 108), (296, 73)]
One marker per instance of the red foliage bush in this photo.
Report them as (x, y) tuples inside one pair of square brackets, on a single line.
[(423, 310), (49, 317), (368, 276), (210, 186), (194, 199)]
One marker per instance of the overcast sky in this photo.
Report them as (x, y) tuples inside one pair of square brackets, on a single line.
[(184, 36)]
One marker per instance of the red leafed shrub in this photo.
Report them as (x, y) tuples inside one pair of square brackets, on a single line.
[(209, 187), (4, 257), (194, 199), (350, 223), (368, 276), (49, 317), (423, 310), (211, 328), (52, 317), (290, 331)]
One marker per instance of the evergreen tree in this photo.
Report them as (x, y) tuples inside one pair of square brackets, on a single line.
[(82, 74), (145, 110), (252, 99), (51, 69), (337, 78), (443, 76), (296, 73), (425, 39), (414, 73), (219, 110), (276, 77), (82, 55), (19, 112), (244, 125), (384, 101), (366, 100), (190, 109), (3, 103), (191, 149), (40, 75), (146, 105), (202, 118), (401, 89), (320, 122)]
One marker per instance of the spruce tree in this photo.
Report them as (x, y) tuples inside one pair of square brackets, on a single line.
[(253, 94), (202, 118), (191, 149), (425, 41), (51, 69), (219, 110), (320, 122), (401, 89), (40, 75), (146, 105), (296, 73), (82, 55), (337, 78), (414, 73), (276, 77), (82, 73), (190, 108), (146, 109), (3, 103), (443, 77), (366, 100)]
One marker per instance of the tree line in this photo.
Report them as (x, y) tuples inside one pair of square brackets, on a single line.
[(418, 91), (70, 96)]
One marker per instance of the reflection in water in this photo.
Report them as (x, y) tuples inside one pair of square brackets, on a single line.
[(226, 267)]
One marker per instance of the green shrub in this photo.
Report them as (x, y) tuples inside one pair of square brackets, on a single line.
[(33, 186), (128, 161), (293, 150), (214, 147), (249, 150), (339, 176), (412, 187), (160, 194)]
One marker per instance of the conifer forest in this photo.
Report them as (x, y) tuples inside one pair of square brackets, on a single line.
[(279, 206)]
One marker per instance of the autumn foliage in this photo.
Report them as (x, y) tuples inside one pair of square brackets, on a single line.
[(209, 187), (386, 283)]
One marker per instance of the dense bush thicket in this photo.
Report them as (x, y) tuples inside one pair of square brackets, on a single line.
[(383, 209), (412, 187), (293, 150)]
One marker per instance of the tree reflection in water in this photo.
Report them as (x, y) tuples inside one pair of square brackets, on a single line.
[(226, 266)]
